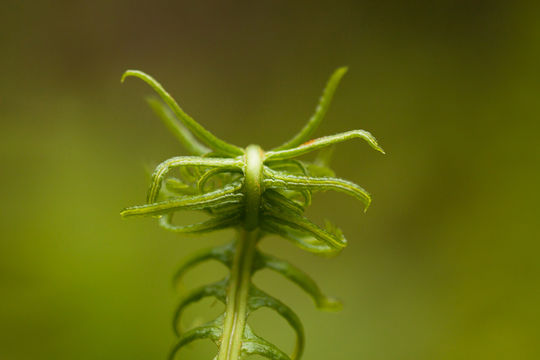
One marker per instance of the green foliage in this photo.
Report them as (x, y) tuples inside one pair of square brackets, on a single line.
[(258, 193)]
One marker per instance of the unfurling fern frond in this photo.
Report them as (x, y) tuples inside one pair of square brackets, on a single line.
[(258, 193)]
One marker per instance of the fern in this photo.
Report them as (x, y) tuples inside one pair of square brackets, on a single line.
[(258, 193)]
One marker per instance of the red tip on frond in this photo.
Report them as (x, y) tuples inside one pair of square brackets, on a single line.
[(309, 142)]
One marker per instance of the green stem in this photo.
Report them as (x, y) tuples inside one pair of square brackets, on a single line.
[(254, 159), (237, 296)]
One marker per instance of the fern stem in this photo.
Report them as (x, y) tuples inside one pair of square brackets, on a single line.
[(237, 296)]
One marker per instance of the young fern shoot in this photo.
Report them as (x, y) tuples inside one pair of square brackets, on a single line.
[(258, 193)]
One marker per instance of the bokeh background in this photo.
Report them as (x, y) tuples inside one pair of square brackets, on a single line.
[(444, 265)]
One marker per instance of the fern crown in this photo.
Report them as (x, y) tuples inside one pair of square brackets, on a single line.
[(258, 193)]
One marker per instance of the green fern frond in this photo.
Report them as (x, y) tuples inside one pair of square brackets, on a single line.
[(258, 193)]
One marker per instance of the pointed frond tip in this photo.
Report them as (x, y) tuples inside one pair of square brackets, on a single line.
[(209, 139), (320, 111), (322, 142)]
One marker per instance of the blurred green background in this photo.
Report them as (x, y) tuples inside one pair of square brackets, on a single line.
[(444, 265)]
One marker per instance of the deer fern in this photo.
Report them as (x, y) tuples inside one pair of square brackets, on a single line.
[(258, 193)]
